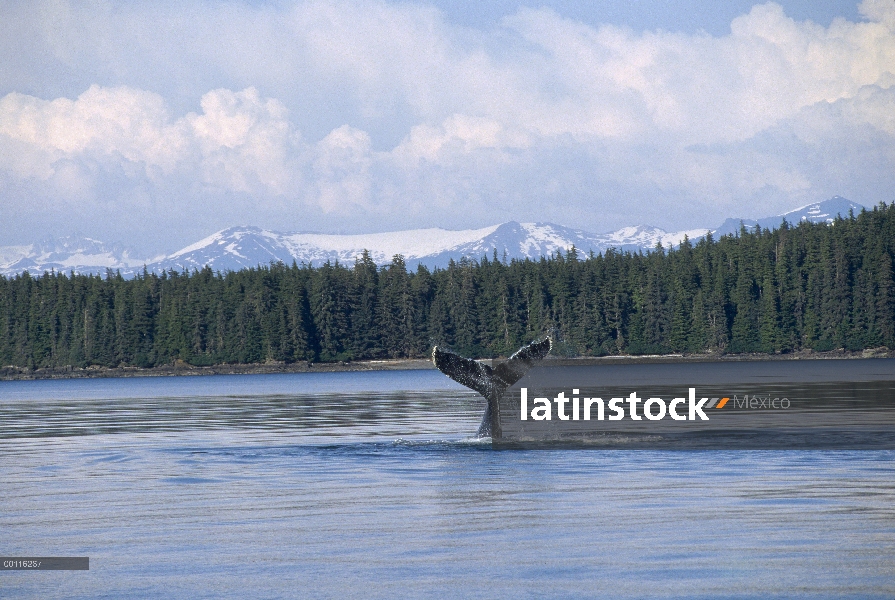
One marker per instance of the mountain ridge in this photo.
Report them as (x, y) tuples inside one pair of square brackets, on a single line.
[(241, 247)]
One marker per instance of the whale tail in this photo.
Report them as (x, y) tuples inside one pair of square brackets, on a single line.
[(487, 381)]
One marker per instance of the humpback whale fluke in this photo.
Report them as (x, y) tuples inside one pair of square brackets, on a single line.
[(489, 382)]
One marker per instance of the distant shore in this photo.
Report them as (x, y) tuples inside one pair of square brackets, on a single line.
[(180, 368)]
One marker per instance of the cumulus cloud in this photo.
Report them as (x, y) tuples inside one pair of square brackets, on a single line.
[(341, 170), (370, 115), (239, 141), (245, 142)]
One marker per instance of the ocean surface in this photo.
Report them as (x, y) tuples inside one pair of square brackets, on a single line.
[(370, 485)]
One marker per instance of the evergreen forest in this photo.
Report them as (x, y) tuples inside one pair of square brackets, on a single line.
[(811, 286)]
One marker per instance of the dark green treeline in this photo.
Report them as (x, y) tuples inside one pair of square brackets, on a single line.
[(812, 286)]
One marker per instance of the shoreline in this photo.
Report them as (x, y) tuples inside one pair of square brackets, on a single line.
[(181, 369)]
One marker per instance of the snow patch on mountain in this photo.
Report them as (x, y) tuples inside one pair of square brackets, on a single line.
[(414, 243)]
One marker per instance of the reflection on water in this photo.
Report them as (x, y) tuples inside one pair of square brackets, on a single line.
[(375, 489), (321, 405), (329, 415)]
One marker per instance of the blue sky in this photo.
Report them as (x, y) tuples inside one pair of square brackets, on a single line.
[(158, 123), (689, 16)]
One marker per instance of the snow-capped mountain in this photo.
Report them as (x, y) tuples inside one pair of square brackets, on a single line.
[(242, 247), (79, 254), (825, 211)]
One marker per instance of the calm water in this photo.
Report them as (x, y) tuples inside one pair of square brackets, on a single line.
[(368, 485)]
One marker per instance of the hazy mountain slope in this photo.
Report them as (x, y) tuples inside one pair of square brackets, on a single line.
[(815, 213), (79, 254)]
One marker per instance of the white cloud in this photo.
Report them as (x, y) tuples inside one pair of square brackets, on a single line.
[(342, 171), (615, 82), (239, 142), (369, 115), (881, 11), (459, 134), (246, 142)]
